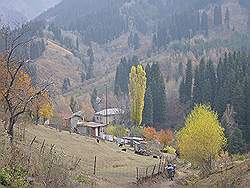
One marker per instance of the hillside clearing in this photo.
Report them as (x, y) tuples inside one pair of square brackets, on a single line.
[(112, 165)]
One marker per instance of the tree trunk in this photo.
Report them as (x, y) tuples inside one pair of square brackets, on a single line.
[(37, 117), (10, 130)]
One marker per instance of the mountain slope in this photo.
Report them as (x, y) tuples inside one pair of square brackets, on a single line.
[(18, 11)]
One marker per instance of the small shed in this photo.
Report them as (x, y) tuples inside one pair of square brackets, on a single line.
[(90, 128)]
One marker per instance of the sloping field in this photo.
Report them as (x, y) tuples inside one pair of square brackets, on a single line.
[(113, 166)]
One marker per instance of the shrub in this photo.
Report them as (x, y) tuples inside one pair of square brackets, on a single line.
[(14, 177), (117, 130), (239, 157), (136, 131), (82, 178), (150, 133), (165, 137), (5, 177), (169, 149)]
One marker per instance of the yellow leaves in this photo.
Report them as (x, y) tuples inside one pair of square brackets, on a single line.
[(202, 138), (137, 88), (46, 111), (117, 130), (110, 130)]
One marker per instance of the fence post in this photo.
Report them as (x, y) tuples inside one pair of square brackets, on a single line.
[(42, 147), (24, 134), (147, 172), (137, 173), (30, 149), (153, 171), (159, 168), (95, 166)]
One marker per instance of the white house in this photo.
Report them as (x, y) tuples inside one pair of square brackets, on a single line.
[(109, 116)]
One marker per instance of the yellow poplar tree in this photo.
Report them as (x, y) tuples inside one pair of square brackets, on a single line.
[(202, 138), (132, 92), (137, 88)]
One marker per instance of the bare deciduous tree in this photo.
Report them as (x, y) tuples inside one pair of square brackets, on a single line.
[(16, 89)]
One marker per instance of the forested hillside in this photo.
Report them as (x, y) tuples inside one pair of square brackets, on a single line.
[(172, 75)]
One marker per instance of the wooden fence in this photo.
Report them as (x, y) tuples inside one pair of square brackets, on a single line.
[(145, 173)]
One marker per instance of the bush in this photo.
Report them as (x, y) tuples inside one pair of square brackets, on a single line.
[(5, 177), (117, 130), (136, 131), (239, 157), (169, 149), (82, 178), (16, 177), (150, 133)]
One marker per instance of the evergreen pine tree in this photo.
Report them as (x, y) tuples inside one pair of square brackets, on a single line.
[(148, 108), (200, 84), (147, 116), (227, 19), (217, 15), (77, 44), (238, 102), (159, 95), (188, 82), (94, 100), (66, 85), (236, 143), (211, 83), (180, 69), (248, 23), (136, 41), (155, 43), (90, 67), (130, 40), (246, 128), (182, 95), (204, 23)]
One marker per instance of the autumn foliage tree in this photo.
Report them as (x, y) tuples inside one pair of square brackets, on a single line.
[(46, 111), (137, 88), (42, 107), (150, 133), (202, 138), (17, 92), (165, 137)]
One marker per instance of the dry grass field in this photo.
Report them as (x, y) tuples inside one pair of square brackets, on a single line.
[(113, 166)]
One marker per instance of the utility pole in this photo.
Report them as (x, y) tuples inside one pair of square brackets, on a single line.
[(106, 104)]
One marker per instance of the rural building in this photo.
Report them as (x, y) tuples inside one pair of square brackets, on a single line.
[(114, 116), (59, 121), (90, 128), (65, 121), (74, 119)]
